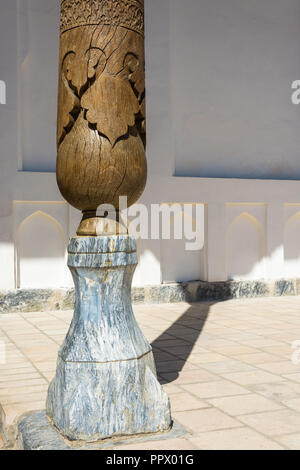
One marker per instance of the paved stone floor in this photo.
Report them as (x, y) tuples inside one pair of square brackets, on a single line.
[(226, 366)]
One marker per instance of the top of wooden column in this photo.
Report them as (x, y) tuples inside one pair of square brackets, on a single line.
[(126, 13)]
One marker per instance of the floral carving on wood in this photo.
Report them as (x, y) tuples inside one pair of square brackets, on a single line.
[(101, 103)]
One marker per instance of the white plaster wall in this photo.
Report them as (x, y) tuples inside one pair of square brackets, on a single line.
[(232, 64), (38, 48), (8, 140), (219, 74)]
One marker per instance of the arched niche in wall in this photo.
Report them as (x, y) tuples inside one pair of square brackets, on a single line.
[(292, 246), (178, 263), (41, 252), (245, 248)]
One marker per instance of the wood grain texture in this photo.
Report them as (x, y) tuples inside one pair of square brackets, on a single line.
[(101, 103)]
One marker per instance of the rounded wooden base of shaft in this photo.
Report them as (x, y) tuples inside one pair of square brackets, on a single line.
[(92, 225)]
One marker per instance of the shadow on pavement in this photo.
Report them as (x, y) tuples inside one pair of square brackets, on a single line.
[(174, 346)]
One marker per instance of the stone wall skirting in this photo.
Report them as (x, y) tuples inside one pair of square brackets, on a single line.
[(35, 300)]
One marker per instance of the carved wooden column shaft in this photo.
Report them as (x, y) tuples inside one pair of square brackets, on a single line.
[(101, 105)]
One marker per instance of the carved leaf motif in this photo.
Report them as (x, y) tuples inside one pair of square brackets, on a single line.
[(135, 72), (71, 104), (96, 61), (111, 105)]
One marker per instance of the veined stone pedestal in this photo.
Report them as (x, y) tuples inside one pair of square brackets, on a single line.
[(106, 383)]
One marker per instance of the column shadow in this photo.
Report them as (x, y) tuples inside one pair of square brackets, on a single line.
[(173, 347)]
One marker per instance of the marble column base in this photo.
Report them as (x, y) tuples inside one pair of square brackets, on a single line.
[(105, 383), (36, 433)]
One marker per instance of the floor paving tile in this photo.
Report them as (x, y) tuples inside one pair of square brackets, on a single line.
[(279, 391), (170, 444), (291, 441), (293, 403), (171, 388), (252, 377), (23, 374), (234, 439), (221, 388), (226, 366), (234, 350), (274, 423), (281, 367), (257, 358), (185, 402), (208, 358), (29, 396), (294, 377), (244, 404), (190, 377), (205, 420), (14, 384), (14, 411)]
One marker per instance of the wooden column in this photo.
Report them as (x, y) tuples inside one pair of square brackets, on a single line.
[(101, 105)]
